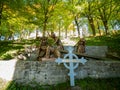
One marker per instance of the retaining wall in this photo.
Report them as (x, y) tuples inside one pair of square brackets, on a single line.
[(98, 51), (49, 72)]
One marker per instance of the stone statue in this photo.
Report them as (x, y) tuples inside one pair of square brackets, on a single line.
[(55, 47), (43, 47), (57, 41), (50, 50), (80, 46)]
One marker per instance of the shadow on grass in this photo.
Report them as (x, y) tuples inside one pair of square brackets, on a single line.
[(6, 46), (16, 86), (99, 84), (84, 84)]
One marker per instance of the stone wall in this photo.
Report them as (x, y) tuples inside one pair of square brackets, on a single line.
[(49, 72), (97, 51), (40, 72)]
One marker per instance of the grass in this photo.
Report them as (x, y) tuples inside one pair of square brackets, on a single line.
[(84, 84), (99, 84), (8, 47)]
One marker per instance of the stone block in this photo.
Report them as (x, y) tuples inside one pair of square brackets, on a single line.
[(98, 51)]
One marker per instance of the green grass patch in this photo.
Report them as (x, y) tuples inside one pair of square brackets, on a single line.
[(6, 56), (99, 84), (7, 47), (84, 84), (8, 50)]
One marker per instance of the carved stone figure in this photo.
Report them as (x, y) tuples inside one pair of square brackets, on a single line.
[(57, 41), (80, 46), (50, 50), (53, 50), (43, 47)]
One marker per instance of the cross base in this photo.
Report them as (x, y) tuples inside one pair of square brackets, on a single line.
[(74, 88)]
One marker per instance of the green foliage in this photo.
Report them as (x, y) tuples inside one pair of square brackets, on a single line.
[(47, 15)]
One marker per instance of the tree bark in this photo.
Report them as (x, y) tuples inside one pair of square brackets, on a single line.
[(13, 37), (36, 33), (1, 9), (104, 19), (66, 33), (45, 22), (105, 23), (59, 30), (73, 29), (0, 36), (77, 24), (98, 28), (91, 22), (44, 28)]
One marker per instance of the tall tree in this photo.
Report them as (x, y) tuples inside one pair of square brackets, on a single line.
[(89, 11), (45, 9), (107, 9), (73, 6)]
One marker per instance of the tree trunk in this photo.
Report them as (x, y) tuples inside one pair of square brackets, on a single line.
[(105, 23), (45, 24), (36, 33), (1, 8), (66, 33), (0, 37), (98, 28), (11, 36), (104, 20), (6, 37), (91, 22), (77, 24), (21, 36), (44, 29), (59, 31), (73, 29)]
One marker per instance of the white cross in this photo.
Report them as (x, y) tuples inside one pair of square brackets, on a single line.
[(73, 63)]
